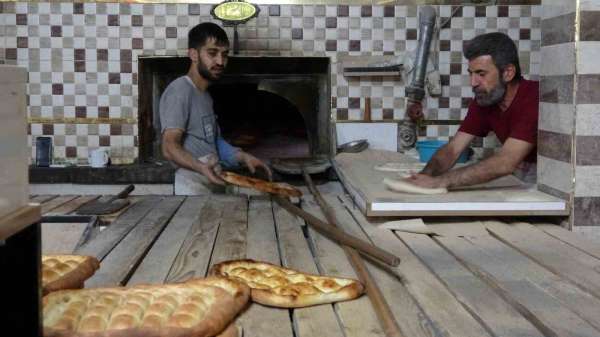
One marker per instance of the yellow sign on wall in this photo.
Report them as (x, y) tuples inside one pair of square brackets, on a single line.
[(235, 11)]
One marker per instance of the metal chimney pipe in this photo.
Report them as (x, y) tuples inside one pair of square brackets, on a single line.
[(416, 90), (407, 131)]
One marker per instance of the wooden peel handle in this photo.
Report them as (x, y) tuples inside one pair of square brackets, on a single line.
[(339, 235)]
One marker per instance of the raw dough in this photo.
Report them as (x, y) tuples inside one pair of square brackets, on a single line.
[(406, 187), (399, 167)]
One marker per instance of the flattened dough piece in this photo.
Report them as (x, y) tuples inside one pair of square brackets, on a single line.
[(406, 187), (399, 167)]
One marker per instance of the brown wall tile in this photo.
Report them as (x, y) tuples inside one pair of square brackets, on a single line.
[(554, 145), (556, 89), (560, 29), (589, 29), (588, 150), (588, 88), (586, 211)]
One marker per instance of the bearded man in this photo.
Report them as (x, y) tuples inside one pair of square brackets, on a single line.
[(505, 103), (191, 137)]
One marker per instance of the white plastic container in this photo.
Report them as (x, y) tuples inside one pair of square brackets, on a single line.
[(14, 152)]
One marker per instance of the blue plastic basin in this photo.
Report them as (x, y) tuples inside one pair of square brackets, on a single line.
[(427, 148)]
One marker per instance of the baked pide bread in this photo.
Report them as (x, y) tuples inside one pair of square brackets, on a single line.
[(200, 308), (287, 288), (66, 271), (282, 189)]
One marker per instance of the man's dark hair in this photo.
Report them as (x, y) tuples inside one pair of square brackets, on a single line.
[(499, 46), (200, 33)]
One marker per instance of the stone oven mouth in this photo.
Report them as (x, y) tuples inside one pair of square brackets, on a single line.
[(273, 107)]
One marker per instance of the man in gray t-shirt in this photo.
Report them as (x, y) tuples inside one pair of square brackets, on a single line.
[(190, 134)]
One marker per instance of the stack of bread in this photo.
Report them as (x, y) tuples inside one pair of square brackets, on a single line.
[(200, 307)]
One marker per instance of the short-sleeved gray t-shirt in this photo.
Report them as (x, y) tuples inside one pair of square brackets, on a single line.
[(183, 106)]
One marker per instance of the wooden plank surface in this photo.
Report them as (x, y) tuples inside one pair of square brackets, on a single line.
[(261, 245), (194, 256), (553, 305), (357, 317), (158, 262), (295, 253), (120, 263), (56, 202), (108, 238), (555, 255), (409, 316), (480, 299), (40, 199), (231, 239), (61, 238), (576, 240), (72, 205), (438, 303)]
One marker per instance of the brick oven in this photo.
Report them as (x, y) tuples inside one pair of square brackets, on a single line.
[(272, 107)]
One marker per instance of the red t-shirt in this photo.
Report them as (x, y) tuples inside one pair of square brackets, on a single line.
[(519, 121)]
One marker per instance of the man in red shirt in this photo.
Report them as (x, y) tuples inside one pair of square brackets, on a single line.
[(504, 103)]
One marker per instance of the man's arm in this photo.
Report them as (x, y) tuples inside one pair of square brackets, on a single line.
[(500, 164), (173, 151), (446, 156)]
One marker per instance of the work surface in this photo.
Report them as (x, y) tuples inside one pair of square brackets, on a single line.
[(477, 278), (504, 196)]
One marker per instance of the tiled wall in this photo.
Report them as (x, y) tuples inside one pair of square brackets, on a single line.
[(82, 59), (569, 160)]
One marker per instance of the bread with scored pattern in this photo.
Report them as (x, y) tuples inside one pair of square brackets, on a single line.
[(277, 286), (66, 271), (199, 308)]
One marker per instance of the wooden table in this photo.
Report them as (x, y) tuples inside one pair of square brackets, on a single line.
[(478, 278)]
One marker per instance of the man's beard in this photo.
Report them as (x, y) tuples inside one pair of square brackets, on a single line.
[(206, 74), (495, 95)]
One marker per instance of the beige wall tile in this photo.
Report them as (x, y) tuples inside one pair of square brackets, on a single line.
[(588, 119), (587, 60), (556, 174), (556, 117), (553, 8), (587, 181), (589, 5), (558, 59)]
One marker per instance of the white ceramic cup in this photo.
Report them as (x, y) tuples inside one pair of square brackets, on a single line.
[(98, 158)]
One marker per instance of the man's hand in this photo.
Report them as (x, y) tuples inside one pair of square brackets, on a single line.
[(209, 168), (252, 163), (415, 111), (427, 181)]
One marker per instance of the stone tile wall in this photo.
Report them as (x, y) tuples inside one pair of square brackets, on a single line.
[(569, 136), (82, 59)]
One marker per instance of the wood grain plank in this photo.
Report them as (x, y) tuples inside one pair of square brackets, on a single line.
[(409, 316), (482, 301), (439, 304), (554, 306), (231, 239), (40, 199), (357, 317), (56, 202), (194, 256), (576, 240), (61, 238), (72, 205), (156, 265), (555, 255), (107, 239), (261, 245), (121, 262), (295, 253)]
